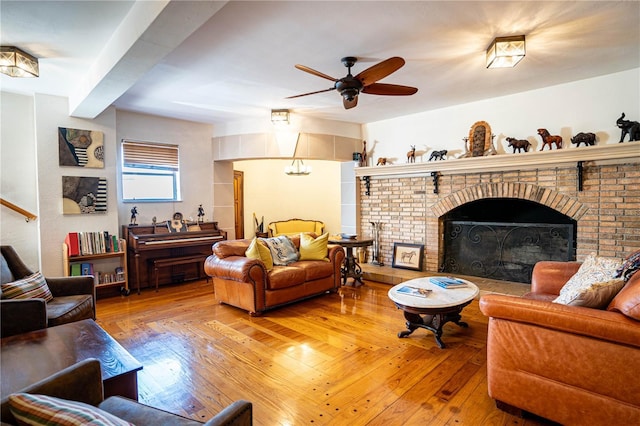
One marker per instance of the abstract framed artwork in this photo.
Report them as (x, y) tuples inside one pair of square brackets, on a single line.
[(84, 195), (80, 148), (408, 256)]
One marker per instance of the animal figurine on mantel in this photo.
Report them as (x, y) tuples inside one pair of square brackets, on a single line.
[(549, 139), (438, 155), (628, 127), (411, 155), (519, 144), (363, 155), (382, 161), (588, 139)]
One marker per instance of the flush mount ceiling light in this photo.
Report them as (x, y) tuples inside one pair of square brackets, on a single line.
[(505, 52), (17, 63), (280, 116)]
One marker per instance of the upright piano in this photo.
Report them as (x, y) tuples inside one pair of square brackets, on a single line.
[(147, 243)]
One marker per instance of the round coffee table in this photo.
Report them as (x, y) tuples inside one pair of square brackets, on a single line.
[(434, 310)]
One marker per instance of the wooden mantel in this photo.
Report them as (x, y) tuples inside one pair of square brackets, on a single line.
[(602, 154)]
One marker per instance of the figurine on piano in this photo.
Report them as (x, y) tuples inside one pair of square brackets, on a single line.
[(134, 214), (177, 224), (200, 214)]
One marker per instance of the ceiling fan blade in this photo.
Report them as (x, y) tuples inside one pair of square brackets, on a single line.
[(389, 89), (310, 93), (380, 70), (350, 104), (314, 72)]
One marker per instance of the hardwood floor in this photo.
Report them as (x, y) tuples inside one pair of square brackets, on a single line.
[(331, 360)]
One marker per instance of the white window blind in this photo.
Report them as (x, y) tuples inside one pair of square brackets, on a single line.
[(150, 172), (150, 155)]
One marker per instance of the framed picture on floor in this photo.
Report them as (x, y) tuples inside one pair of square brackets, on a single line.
[(408, 256)]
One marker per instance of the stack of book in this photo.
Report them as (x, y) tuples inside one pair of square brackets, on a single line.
[(87, 243), (447, 282), (81, 269)]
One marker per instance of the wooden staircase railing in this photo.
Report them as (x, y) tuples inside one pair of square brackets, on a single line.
[(27, 214)]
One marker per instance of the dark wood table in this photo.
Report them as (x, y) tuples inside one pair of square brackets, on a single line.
[(350, 268), (31, 357)]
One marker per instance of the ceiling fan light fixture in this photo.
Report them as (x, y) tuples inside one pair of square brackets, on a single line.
[(350, 94), (15, 62), (505, 52)]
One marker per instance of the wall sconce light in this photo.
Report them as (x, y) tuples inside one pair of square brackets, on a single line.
[(17, 63), (280, 116), (505, 52)]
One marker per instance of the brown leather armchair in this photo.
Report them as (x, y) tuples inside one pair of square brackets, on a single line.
[(569, 364), (82, 382), (74, 299)]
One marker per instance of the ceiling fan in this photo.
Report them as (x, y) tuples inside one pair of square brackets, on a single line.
[(365, 82)]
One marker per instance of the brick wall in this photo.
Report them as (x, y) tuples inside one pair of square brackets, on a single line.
[(607, 210)]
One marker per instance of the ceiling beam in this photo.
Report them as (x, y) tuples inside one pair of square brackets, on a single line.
[(150, 31)]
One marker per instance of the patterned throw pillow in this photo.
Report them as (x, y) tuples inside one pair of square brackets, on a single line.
[(257, 250), (594, 269), (630, 266), (31, 287), (596, 295), (283, 251), (46, 410), (314, 248)]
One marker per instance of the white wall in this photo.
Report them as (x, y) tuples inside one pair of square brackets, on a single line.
[(270, 193), (52, 112), (196, 164), (591, 105), (18, 177)]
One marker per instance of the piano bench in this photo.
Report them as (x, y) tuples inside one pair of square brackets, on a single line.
[(174, 261)]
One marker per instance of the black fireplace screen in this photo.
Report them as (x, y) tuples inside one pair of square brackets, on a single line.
[(504, 251)]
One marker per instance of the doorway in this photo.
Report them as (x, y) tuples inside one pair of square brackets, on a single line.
[(238, 203)]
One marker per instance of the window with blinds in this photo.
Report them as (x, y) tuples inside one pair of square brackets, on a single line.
[(150, 172)]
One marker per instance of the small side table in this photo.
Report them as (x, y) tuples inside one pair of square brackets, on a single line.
[(350, 268)]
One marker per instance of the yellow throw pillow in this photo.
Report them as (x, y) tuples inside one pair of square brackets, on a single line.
[(314, 248), (257, 250)]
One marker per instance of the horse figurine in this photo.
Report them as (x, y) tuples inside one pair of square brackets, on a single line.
[(438, 155), (411, 155), (548, 139)]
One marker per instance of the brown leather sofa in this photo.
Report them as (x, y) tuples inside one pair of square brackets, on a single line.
[(245, 283), (74, 299), (570, 364), (82, 382)]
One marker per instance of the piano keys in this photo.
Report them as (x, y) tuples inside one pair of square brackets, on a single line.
[(146, 243)]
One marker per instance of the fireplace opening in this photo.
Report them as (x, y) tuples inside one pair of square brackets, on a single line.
[(503, 238)]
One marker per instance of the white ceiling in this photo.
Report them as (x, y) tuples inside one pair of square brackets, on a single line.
[(218, 62)]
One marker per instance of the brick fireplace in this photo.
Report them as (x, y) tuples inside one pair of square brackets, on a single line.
[(597, 187)]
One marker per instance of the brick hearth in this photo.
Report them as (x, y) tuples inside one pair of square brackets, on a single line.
[(607, 210)]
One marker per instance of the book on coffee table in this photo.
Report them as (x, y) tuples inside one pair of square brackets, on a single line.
[(447, 282), (414, 291)]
